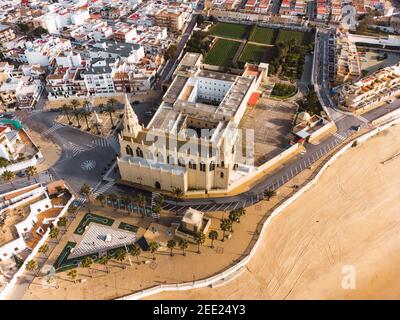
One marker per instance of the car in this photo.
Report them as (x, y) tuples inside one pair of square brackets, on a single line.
[(356, 128), (390, 101), (148, 113)]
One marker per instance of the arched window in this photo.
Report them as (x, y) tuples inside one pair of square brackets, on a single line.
[(192, 165), (221, 174), (202, 166), (139, 152), (160, 157), (129, 150), (212, 166), (170, 159), (181, 162)]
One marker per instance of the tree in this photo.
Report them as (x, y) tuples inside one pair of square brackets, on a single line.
[(113, 198), (153, 246), (8, 176), (135, 251), (269, 194), (213, 235), (77, 114), (67, 109), (87, 263), (101, 199), (72, 274), (234, 216), (72, 209), (62, 222), (43, 249), (120, 255), (54, 232), (86, 113), (75, 104), (110, 108), (31, 171), (23, 27), (171, 244), (178, 193), (200, 238), (225, 225), (141, 202), (170, 52), (183, 244), (104, 261), (4, 162), (86, 190), (31, 265)]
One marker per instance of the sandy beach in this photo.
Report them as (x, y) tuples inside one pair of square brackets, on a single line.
[(351, 217)]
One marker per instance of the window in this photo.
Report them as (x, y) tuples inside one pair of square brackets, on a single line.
[(202, 167), (222, 164), (181, 162), (170, 159), (212, 166), (221, 174), (139, 152), (129, 150), (192, 165)]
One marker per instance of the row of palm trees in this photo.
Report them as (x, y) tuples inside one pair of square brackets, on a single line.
[(73, 111), (8, 176)]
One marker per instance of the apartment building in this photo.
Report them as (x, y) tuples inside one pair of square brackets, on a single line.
[(371, 91), (348, 66), (66, 83), (173, 20), (21, 92), (6, 33), (129, 52), (43, 51), (98, 76)]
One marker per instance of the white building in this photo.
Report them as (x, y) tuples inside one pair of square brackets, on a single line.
[(98, 78), (10, 143), (44, 51)]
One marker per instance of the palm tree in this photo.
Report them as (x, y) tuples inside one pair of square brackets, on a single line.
[(213, 235), (72, 209), (178, 193), (77, 114), (86, 113), (269, 194), (110, 108), (120, 255), (8, 176), (234, 216), (153, 248), (62, 222), (225, 225), (183, 244), (43, 249), (4, 162), (66, 109), (125, 201), (141, 202), (101, 199), (86, 190), (31, 171), (159, 200), (87, 263), (135, 251), (31, 265), (54, 232), (104, 261), (200, 238), (113, 198), (72, 274), (75, 104), (171, 244)]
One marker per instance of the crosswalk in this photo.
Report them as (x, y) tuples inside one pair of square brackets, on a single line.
[(55, 127), (338, 136), (154, 196), (75, 149), (362, 119), (100, 142), (103, 188), (109, 142)]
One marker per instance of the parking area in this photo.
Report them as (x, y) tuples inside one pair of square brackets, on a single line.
[(272, 124)]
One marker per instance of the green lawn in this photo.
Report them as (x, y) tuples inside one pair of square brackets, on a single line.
[(222, 53), (229, 30), (282, 90), (303, 38), (255, 54), (91, 217), (262, 35)]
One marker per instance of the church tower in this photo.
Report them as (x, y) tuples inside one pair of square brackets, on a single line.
[(131, 122)]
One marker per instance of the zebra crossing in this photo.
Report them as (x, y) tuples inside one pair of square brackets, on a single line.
[(365, 120), (55, 127), (338, 136), (103, 188), (75, 149), (154, 196), (109, 142)]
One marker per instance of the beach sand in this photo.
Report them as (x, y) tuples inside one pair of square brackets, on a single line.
[(350, 217)]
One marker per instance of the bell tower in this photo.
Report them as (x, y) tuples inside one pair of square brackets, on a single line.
[(131, 122)]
